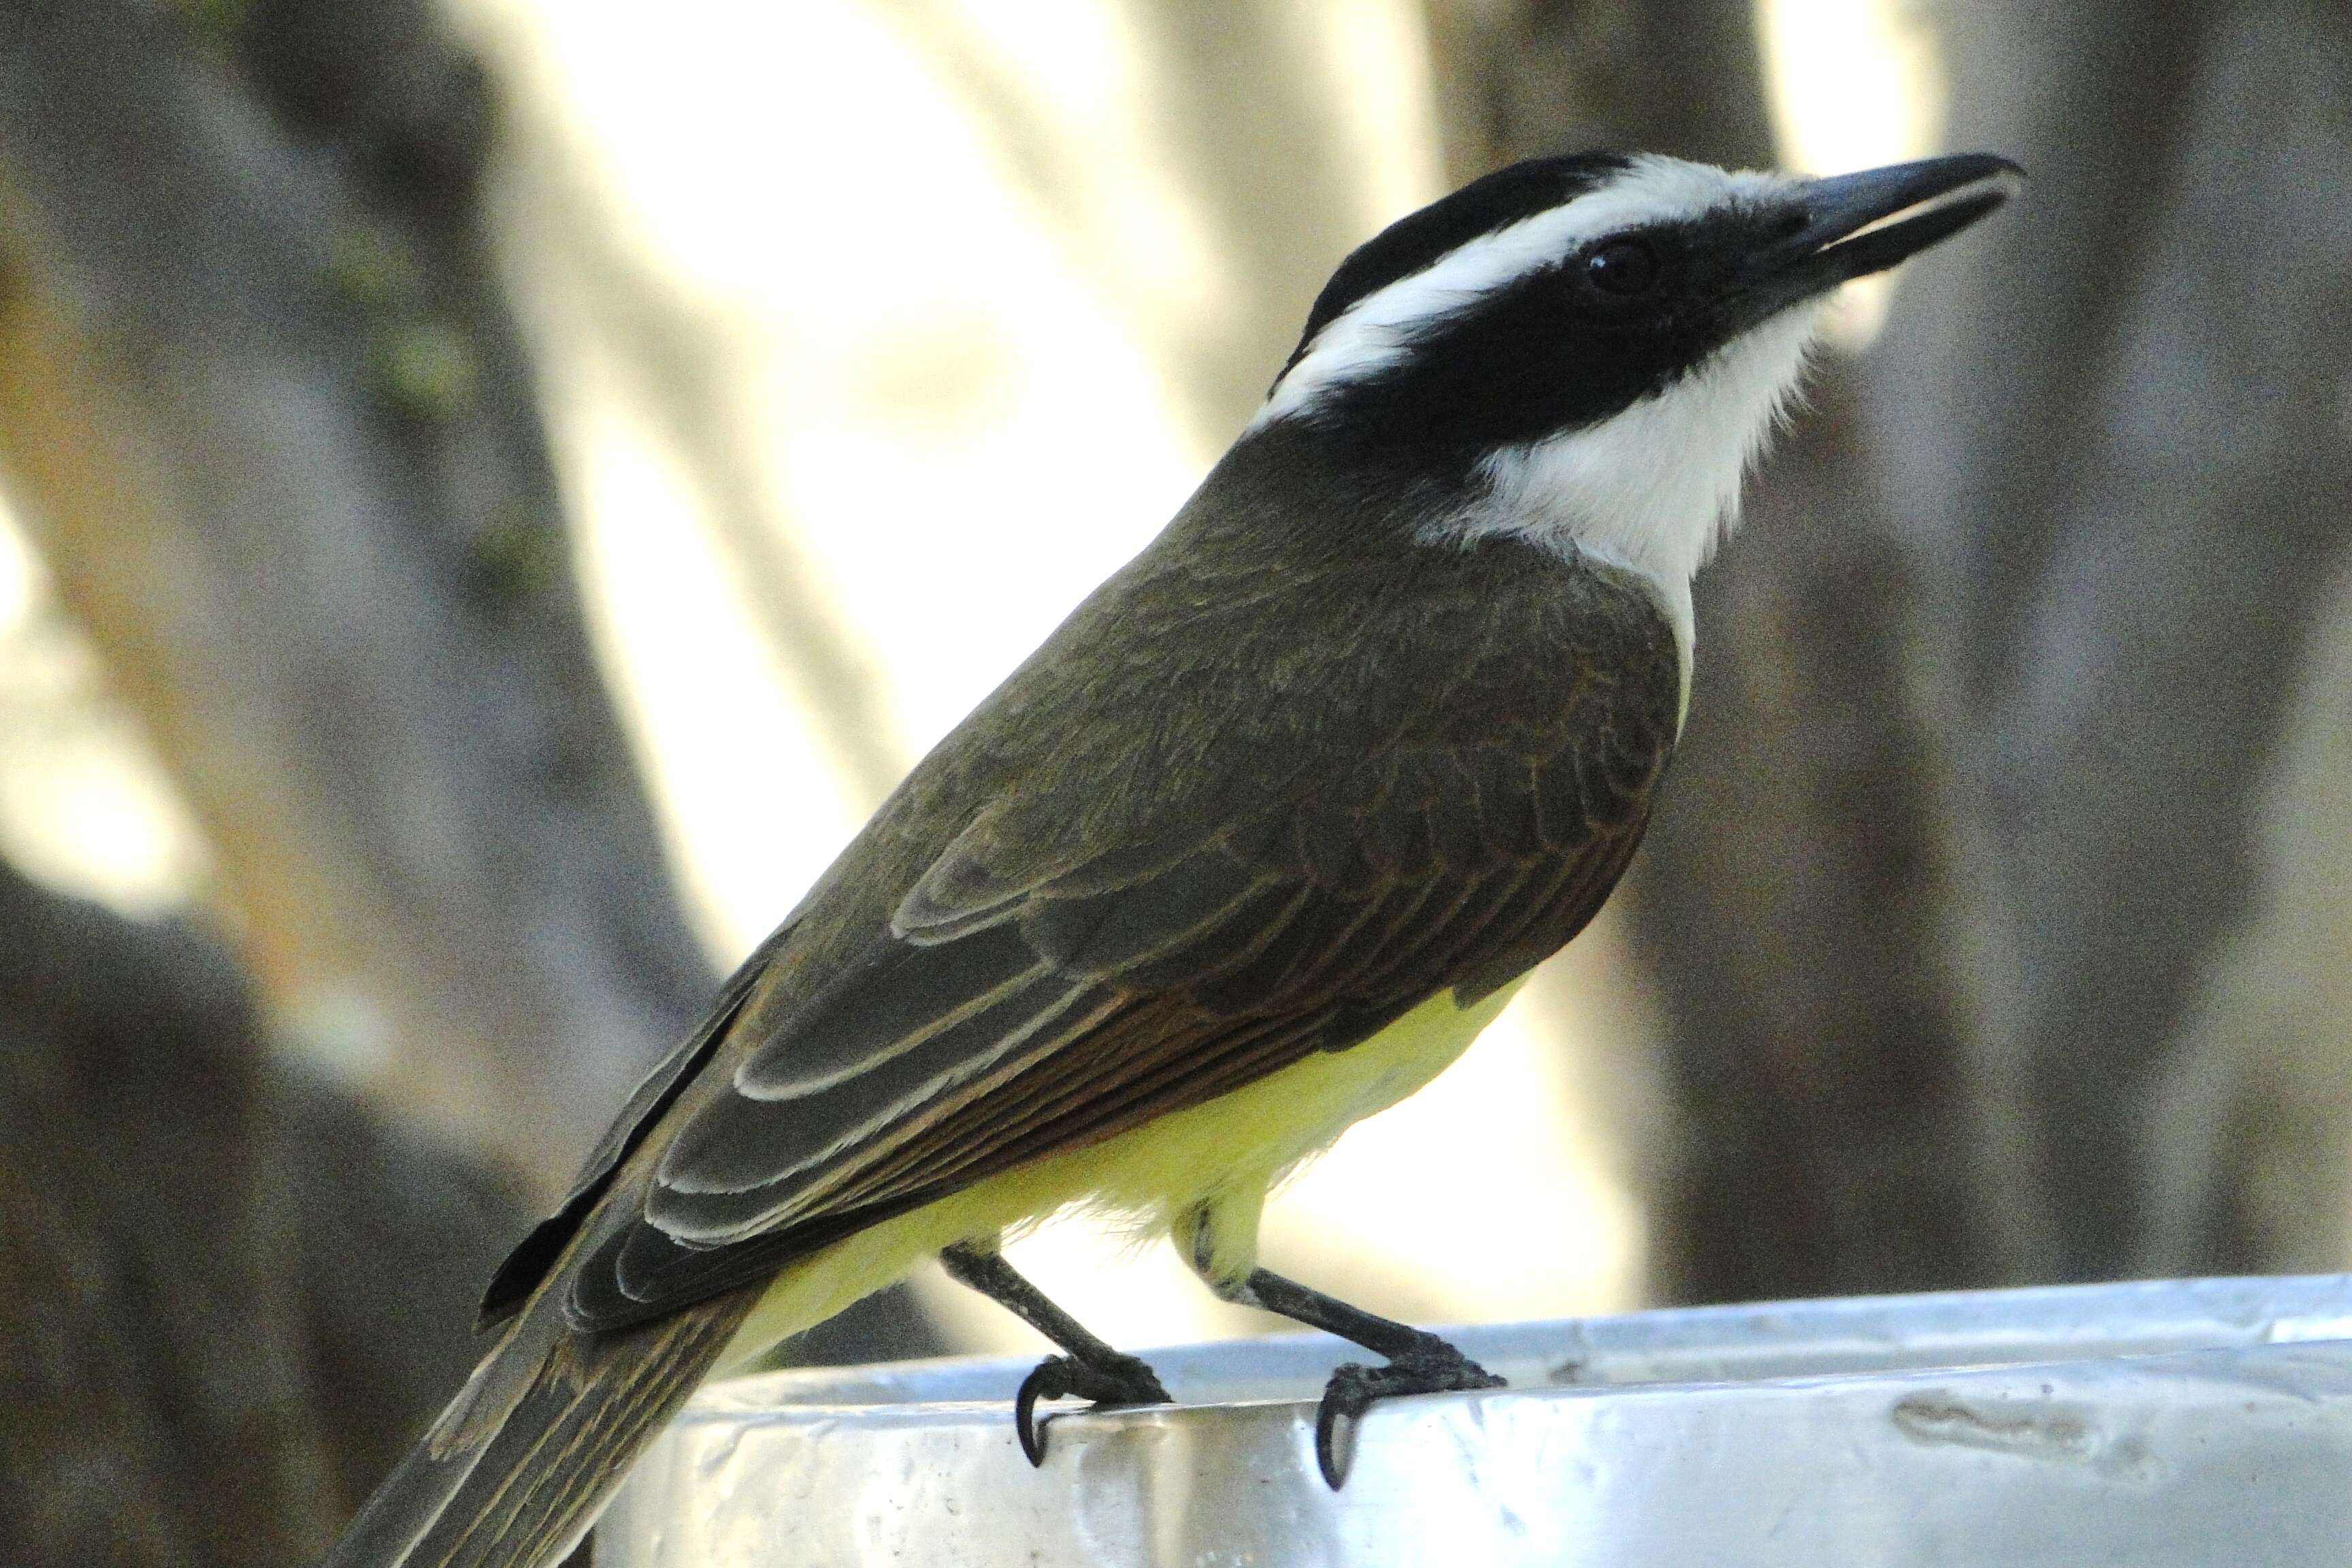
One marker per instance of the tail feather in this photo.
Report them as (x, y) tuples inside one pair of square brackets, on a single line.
[(518, 1466)]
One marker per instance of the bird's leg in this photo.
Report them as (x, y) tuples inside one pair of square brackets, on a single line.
[(1091, 1369), (1418, 1362)]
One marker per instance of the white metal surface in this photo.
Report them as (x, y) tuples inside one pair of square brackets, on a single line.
[(2153, 1425)]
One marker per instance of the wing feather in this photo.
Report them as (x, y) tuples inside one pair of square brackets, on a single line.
[(965, 1099), (1078, 951), (888, 1003)]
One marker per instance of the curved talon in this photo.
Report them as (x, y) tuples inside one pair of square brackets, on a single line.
[(1353, 1389), (1327, 1455), (1346, 1395), (1049, 1380), (1126, 1380)]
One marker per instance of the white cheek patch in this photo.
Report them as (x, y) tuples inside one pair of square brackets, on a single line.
[(1655, 487), (1377, 329)]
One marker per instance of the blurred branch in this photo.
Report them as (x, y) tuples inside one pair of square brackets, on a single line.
[(273, 429), (1239, 99), (1243, 102), (681, 365), (679, 361), (1241, 96)]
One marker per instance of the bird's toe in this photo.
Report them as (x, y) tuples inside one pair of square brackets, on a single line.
[(1115, 1381)]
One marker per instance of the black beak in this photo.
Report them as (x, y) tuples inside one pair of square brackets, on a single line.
[(1838, 228)]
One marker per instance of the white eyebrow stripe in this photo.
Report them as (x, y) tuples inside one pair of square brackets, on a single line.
[(1376, 329)]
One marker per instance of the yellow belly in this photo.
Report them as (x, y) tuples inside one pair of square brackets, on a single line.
[(1228, 1152)]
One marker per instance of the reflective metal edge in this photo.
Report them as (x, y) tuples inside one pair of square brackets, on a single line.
[(2151, 1425)]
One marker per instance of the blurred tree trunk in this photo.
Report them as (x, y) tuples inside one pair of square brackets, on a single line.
[(1788, 896), (1245, 108), (1523, 78), (1793, 897), (2022, 616), (267, 415), (227, 1293), (1239, 99), (263, 406), (2116, 431)]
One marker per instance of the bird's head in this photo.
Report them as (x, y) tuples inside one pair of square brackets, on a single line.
[(1590, 349)]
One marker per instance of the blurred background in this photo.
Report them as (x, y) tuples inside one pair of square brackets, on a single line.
[(493, 493)]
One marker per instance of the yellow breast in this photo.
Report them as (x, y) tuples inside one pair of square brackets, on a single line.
[(1228, 1152)]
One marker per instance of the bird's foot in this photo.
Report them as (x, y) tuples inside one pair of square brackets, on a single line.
[(1434, 1367), (1115, 1381)]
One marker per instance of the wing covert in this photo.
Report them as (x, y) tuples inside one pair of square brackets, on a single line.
[(1081, 1006), (1080, 951)]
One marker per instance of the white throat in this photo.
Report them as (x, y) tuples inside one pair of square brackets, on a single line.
[(1655, 489), (1652, 490)]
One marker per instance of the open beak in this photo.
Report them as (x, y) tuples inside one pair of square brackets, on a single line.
[(1852, 225)]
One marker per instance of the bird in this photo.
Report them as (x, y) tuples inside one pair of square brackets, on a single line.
[(1251, 848)]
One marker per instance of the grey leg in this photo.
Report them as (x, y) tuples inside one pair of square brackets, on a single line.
[(1091, 1370), (1418, 1362)]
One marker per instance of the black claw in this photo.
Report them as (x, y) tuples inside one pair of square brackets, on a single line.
[(1126, 1380), (1441, 1369), (1327, 1457), (1048, 1381), (1345, 1397)]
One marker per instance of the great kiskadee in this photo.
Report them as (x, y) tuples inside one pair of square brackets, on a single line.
[(1251, 847)]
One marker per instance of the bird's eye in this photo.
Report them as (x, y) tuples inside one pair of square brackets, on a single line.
[(1621, 267)]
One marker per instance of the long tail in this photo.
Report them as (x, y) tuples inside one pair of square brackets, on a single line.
[(518, 1466)]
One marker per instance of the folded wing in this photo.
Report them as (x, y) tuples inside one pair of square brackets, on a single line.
[(1007, 1012)]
